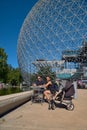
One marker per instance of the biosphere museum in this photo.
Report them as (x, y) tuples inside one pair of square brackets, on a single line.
[(54, 33)]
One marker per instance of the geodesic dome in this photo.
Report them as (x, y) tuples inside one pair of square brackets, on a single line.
[(51, 27)]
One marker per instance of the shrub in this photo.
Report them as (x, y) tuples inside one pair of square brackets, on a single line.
[(11, 90)]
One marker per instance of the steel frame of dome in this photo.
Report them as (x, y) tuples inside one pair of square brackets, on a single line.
[(79, 56), (51, 27)]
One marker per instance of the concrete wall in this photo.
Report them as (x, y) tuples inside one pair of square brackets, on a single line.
[(9, 102)]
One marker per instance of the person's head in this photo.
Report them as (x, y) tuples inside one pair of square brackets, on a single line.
[(39, 78), (48, 78)]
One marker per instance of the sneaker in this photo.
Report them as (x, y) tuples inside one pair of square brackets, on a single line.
[(49, 107), (52, 105)]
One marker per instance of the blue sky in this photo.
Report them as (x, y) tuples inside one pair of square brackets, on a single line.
[(12, 15)]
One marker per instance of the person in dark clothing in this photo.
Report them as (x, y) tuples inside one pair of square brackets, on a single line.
[(39, 81), (48, 93), (48, 86), (38, 89)]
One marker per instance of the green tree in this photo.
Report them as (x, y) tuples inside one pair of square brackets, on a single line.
[(14, 75), (33, 78), (43, 72), (46, 71), (8, 74), (3, 65)]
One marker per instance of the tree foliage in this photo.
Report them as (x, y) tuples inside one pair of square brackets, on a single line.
[(46, 71), (14, 76), (8, 74), (43, 71), (3, 65)]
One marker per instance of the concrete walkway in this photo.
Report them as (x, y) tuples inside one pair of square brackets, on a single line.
[(38, 117)]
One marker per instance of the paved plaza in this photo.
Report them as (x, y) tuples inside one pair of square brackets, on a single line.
[(38, 117)]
